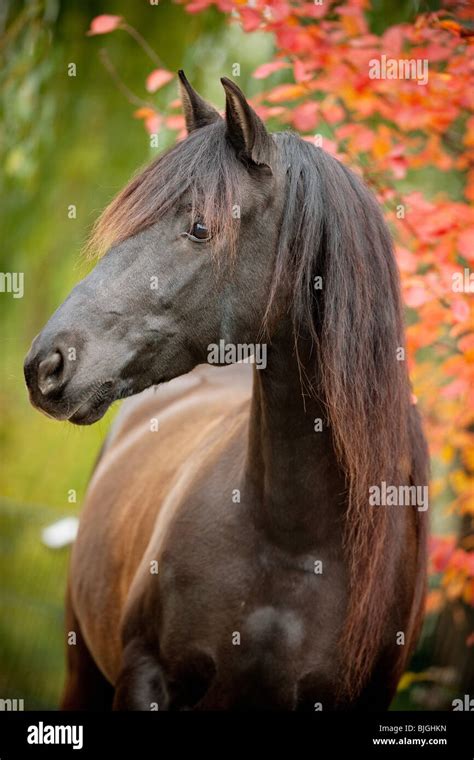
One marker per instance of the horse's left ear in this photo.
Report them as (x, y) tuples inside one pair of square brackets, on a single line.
[(245, 130)]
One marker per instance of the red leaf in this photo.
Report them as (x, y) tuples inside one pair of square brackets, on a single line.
[(263, 71), (466, 244), (441, 550), (153, 123), (158, 78), (460, 310), (104, 24), (175, 121), (405, 259), (299, 72), (416, 296), (305, 116), (250, 19), (198, 5)]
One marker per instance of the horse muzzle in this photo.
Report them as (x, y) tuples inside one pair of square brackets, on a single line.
[(50, 370)]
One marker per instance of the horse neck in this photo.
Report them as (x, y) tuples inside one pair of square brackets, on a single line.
[(291, 470)]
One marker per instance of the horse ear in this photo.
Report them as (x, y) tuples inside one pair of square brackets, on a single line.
[(197, 112), (245, 130)]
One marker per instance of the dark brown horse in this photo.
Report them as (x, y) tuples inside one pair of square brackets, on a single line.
[(229, 556)]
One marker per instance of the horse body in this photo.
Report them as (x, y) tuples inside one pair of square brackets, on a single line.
[(229, 559), (249, 585)]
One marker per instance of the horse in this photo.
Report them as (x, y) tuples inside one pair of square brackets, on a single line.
[(228, 556)]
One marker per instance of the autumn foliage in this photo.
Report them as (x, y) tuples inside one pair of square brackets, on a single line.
[(405, 137)]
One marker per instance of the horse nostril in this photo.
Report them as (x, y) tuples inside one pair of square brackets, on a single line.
[(50, 373)]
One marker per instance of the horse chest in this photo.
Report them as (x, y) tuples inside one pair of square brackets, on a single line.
[(230, 588)]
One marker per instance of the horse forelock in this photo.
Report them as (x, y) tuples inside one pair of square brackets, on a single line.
[(201, 168)]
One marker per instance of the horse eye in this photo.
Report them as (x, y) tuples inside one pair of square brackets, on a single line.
[(199, 232)]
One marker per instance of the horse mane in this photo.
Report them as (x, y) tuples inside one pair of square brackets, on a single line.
[(331, 227)]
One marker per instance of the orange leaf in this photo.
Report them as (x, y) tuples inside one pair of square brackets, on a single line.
[(144, 113), (286, 92), (434, 601), (451, 26)]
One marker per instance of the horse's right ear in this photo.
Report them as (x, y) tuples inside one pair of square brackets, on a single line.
[(197, 113), (245, 130)]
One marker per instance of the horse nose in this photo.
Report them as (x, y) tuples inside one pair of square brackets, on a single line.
[(46, 371), (51, 373)]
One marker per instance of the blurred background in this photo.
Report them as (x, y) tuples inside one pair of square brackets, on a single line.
[(74, 141)]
